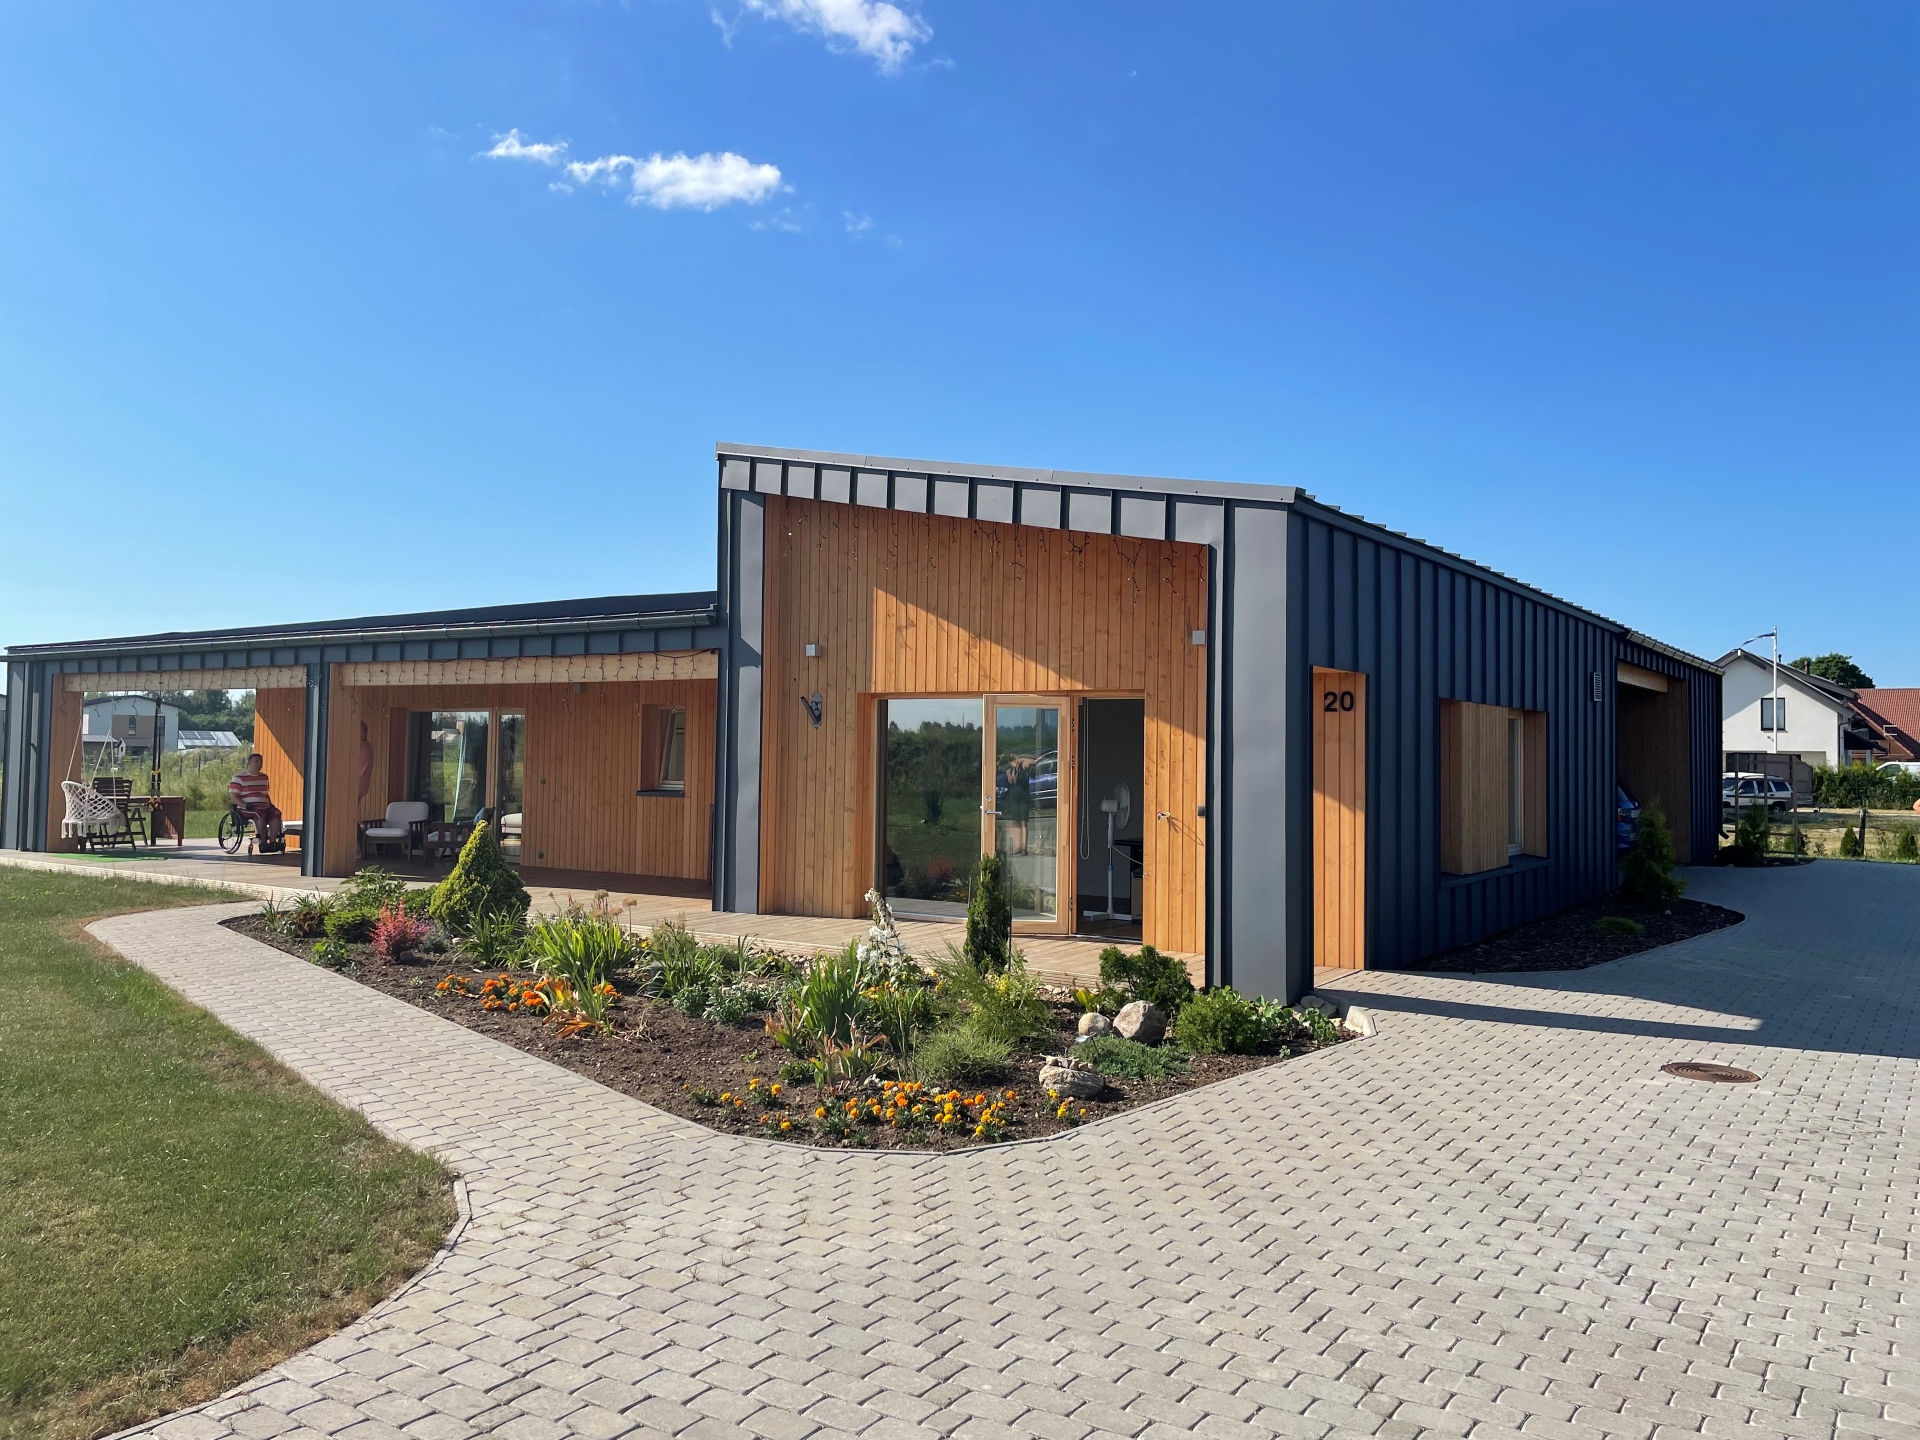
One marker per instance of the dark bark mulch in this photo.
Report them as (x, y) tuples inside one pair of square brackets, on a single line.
[(1568, 941), (658, 1055)]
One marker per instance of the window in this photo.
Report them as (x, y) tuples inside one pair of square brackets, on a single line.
[(1493, 786), (663, 750), (1773, 712)]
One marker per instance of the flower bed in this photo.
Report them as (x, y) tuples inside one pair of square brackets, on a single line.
[(863, 1049)]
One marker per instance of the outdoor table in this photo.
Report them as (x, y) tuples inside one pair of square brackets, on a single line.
[(169, 811)]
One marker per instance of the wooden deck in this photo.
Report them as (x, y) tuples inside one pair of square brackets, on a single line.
[(641, 901)]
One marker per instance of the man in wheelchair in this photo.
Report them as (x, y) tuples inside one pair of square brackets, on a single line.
[(248, 794)]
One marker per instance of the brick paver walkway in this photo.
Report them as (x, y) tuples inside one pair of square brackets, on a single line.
[(1495, 1218)]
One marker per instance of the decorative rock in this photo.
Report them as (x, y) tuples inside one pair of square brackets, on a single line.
[(1319, 1002), (1143, 1021), (1072, 1078), (1094, 1023)]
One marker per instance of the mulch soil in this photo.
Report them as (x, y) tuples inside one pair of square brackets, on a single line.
[(1568, 941), (656, 1054)]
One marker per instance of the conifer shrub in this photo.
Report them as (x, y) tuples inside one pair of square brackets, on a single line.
[(1750, 836), (989, 942), (1850, 846), (1647, 875), (482, 883), (1907, 847)]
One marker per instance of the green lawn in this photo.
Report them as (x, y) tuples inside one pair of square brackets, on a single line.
[(176, 1210)]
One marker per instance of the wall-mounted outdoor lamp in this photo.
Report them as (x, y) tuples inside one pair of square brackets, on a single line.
[(1199, 637), (815, 650)]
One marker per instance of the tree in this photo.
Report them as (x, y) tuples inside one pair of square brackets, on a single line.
[(1836, 667)]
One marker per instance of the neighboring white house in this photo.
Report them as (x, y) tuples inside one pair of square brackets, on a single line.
[(1810, 720)]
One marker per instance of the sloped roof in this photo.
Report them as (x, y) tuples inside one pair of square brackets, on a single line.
[(1837, 695), (1894, 714)]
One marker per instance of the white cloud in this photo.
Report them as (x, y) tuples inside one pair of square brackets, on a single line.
[(857, 224), (873, 27), (666, 182), (511, 147)]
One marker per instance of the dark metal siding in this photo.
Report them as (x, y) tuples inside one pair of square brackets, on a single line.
[(1423, 630)]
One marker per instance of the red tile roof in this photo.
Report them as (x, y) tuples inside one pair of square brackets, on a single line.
[(1895, 717)]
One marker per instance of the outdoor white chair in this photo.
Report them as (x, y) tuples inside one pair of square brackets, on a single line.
[(404, 826), (92, 817)]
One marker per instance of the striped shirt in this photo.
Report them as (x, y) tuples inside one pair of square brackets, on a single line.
[(248, 791)]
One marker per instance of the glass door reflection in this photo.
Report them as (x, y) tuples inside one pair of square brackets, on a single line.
[(510, 778), (931, 800), (1022, 804)]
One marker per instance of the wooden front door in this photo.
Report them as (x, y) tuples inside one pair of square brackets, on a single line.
[(1339, 819)]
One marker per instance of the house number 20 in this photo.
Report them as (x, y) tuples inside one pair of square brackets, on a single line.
[(1338, 700)]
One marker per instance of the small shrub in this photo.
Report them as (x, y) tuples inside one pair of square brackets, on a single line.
[(1618, 925), (795, 1072), (351, 927), (1750, 836), (1648, 879), (372, 890), (732, 1005), (307, 918), (989, 942), (1220, 1022), (434, 942), (331, 955), (1146, 975), (961, 1056), (482, 883), (1130, 1060), (692, 1000), (1850, 846), (1907, 848), (1002, 1005), (396, 932)]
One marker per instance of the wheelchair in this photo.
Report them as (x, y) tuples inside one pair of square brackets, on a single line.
[(237, 828)]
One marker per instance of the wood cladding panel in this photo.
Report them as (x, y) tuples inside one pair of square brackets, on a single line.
[(63, 759), (539, 669), (1339, 819), (1655, 756), (1473, 787), (909, 604), (280, 739), (584, 763)]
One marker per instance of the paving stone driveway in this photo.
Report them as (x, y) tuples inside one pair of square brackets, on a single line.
[(1496, 1218)]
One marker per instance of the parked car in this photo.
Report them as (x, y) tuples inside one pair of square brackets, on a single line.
[(1741, 788), (1626, 828)]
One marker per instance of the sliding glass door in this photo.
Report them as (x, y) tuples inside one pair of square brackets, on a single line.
[(471, 765), (967, 777)]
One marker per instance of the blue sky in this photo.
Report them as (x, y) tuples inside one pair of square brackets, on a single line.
[(1621, 299)]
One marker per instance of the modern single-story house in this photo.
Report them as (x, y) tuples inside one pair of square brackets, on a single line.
[(1229, 720)]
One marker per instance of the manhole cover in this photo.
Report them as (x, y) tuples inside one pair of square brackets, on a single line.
[(1700, 1070)]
